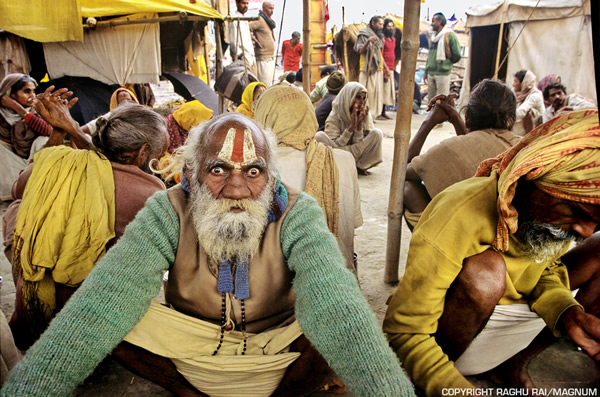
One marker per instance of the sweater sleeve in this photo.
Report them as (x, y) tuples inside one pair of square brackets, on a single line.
[(551, 298), (111, 301), (454, 48), (412, 317), (331, 311), (37, 124)]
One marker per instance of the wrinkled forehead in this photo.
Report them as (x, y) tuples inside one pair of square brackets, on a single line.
[(236, 144)]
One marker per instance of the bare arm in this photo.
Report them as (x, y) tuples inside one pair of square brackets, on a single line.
[(441, 108), (54, 108)]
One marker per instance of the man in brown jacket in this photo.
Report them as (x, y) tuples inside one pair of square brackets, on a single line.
[(264, 43)]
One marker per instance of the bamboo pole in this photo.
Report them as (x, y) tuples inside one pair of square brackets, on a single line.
[(500, 41), (306, 47), (410, 47), (219, 59), (345, 37)]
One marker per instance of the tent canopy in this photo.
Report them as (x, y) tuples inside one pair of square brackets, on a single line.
[(61, 20), (520, 10)]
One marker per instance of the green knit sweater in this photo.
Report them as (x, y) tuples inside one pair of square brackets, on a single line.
[(117, 293)]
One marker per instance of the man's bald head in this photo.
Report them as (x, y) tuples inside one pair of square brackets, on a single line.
[(268, 8), (231, 138)]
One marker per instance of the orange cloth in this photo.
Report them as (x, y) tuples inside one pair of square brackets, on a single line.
[(562, 157)]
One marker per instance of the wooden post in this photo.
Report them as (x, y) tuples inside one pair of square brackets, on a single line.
[(500, 41), (410, 48), (205, 33), (219, 58), (346, 37), (306, 47)]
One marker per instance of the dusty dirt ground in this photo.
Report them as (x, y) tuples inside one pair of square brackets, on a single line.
[(111, 380)]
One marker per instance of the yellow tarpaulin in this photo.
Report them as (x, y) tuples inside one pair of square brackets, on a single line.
[(61, 20), (42, 20)]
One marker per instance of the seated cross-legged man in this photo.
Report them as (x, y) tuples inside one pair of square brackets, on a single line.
[(350, 127), (253, 269), (488, 266)]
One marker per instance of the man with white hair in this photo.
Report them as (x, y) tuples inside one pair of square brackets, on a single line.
[(252, 268)]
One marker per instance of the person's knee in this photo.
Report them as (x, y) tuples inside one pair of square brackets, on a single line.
[(483, 279), (322, 137)]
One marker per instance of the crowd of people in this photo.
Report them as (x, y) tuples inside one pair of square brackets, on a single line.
[(253, 241)]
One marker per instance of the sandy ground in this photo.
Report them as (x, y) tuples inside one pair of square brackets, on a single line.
[(110, 379)]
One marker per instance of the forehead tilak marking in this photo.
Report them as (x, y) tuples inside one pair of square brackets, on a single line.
[(238, 148)]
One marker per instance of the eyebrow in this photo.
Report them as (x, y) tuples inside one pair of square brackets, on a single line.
[(258, 163)]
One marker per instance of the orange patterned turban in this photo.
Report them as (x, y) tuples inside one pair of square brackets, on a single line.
[(562, 157)]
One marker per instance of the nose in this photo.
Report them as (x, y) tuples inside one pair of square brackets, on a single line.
[(236, 187), (585, 228)]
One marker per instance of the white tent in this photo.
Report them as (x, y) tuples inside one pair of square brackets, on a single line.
[(545, 36)]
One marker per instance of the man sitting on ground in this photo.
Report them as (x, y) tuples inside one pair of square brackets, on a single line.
[(486, 132), (560, 102), (320, 89), (63, 192), (487, 268), (350, 127), (327, 174), (335, 82), (246, 257)]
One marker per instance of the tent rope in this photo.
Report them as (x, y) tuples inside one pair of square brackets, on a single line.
[(519, 35)]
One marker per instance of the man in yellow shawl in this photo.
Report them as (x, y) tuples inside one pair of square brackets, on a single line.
[(488, 266), (250, 97), (327, 174)]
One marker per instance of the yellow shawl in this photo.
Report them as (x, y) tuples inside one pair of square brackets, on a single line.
[(64, 222), (247, 98), (113, 97), (288, 112), (562, 157)]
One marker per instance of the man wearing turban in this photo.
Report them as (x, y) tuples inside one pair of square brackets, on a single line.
[(488, 266)]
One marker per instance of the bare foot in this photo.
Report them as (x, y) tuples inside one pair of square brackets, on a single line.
[(362, 172), (382, 117), (512, 373)]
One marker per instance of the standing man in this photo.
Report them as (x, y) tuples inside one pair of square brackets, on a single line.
[(441, 57), (240, 39), (264, 43), (389, 58), (369, 44), (291, 52)]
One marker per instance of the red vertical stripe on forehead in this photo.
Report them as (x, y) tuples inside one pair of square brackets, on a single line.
[(237, 153)]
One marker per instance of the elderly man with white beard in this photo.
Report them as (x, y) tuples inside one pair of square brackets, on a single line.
[(254, 275)]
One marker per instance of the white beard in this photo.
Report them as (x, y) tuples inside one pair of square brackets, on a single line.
[(544, 241), (227, 235)]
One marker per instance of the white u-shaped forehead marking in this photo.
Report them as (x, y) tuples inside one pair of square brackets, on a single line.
[(238, 148)]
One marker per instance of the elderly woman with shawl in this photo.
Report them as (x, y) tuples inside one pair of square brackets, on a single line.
[(329, 175), (530, 101), (488, 266), (250, 97), (22, 132), (350, 127)]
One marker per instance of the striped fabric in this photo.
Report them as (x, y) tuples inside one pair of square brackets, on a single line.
[(37, 124)]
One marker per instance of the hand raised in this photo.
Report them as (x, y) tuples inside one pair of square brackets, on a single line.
[(54, 107)]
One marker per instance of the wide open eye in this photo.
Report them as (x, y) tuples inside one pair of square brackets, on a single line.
[(217, 170), (253, 172)]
